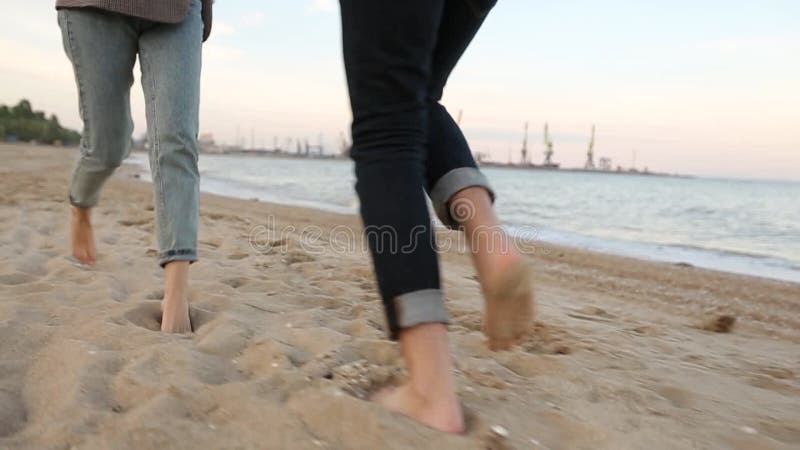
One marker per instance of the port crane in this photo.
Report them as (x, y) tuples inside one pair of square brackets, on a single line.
[(548, 153), (590, 153), (524, 151)]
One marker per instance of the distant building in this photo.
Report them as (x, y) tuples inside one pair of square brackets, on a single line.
[(206, 139), (604, 163), (207, 144)]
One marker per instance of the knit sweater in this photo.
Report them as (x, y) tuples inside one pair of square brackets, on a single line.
[(166, 11)]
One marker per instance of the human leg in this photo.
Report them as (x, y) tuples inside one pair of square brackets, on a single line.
[(102, 49), (170, 56), (388, 49), (461, 194)]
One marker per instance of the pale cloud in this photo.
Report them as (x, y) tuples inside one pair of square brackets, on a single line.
[(217, 52), (253, 19), (33, 62), (223, 28), (728, 105), (767, 44), (321, 6)]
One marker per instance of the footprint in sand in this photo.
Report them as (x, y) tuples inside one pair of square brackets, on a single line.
[(214, 216), (238, 256), (265, 356), (226, 338), (529, 366), (547, 339), (21, 237), (541, 339), (211, 243), (16, 278), (133, 222), (679, 398), (295, 257), (200, 317), (117, 289), (155, 295), (44, 230), (592, 313), (772, 383), (33, 264), (13, 415), (147, 315), (235, 283)]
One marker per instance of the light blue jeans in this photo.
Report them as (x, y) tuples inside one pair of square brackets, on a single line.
[(102, 47)]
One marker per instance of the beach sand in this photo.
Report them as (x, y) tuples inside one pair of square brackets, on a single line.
[(625, 354)]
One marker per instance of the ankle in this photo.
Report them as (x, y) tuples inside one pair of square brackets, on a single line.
[(442, 406), (80, 213), (433, 389), (176, 282), (491, 266), (175, 298)]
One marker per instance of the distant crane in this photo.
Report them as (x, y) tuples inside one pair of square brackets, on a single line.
[(344, 146), (319, 149), (590, 153), (548, 153), (524, 150)]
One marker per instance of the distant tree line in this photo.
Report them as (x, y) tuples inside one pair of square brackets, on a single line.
[(22, 123)]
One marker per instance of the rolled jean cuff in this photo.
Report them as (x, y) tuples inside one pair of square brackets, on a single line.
[(452, 182), (184, 254), (82, 205), (418, 307)]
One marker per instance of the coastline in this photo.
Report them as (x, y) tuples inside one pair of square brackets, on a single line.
[(286, 339), (731, 258)]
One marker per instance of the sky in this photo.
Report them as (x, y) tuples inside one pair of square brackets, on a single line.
[(707, 88)]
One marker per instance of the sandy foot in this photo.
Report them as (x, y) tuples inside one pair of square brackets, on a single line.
[(175, 317), (621, 356), (443, 415), (509, 307), (81, 237)]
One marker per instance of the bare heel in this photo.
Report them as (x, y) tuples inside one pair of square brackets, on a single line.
[(509, 307)]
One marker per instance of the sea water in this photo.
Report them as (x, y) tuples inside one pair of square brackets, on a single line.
[(743, 226)]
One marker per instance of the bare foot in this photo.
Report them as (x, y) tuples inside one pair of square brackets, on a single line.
[(504, 276), (175, 315), (81, 237), (441, 414), (509, 309), (175, 306), (429, 395)]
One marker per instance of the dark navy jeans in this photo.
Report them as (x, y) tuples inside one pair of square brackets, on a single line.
[(398, 56)]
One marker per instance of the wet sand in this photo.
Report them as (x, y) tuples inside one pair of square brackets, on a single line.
[(625, 354)]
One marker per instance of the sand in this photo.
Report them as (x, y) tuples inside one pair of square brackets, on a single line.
[(625, 354)]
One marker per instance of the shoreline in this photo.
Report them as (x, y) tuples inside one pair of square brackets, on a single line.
[(625, 353), (742, 263)]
